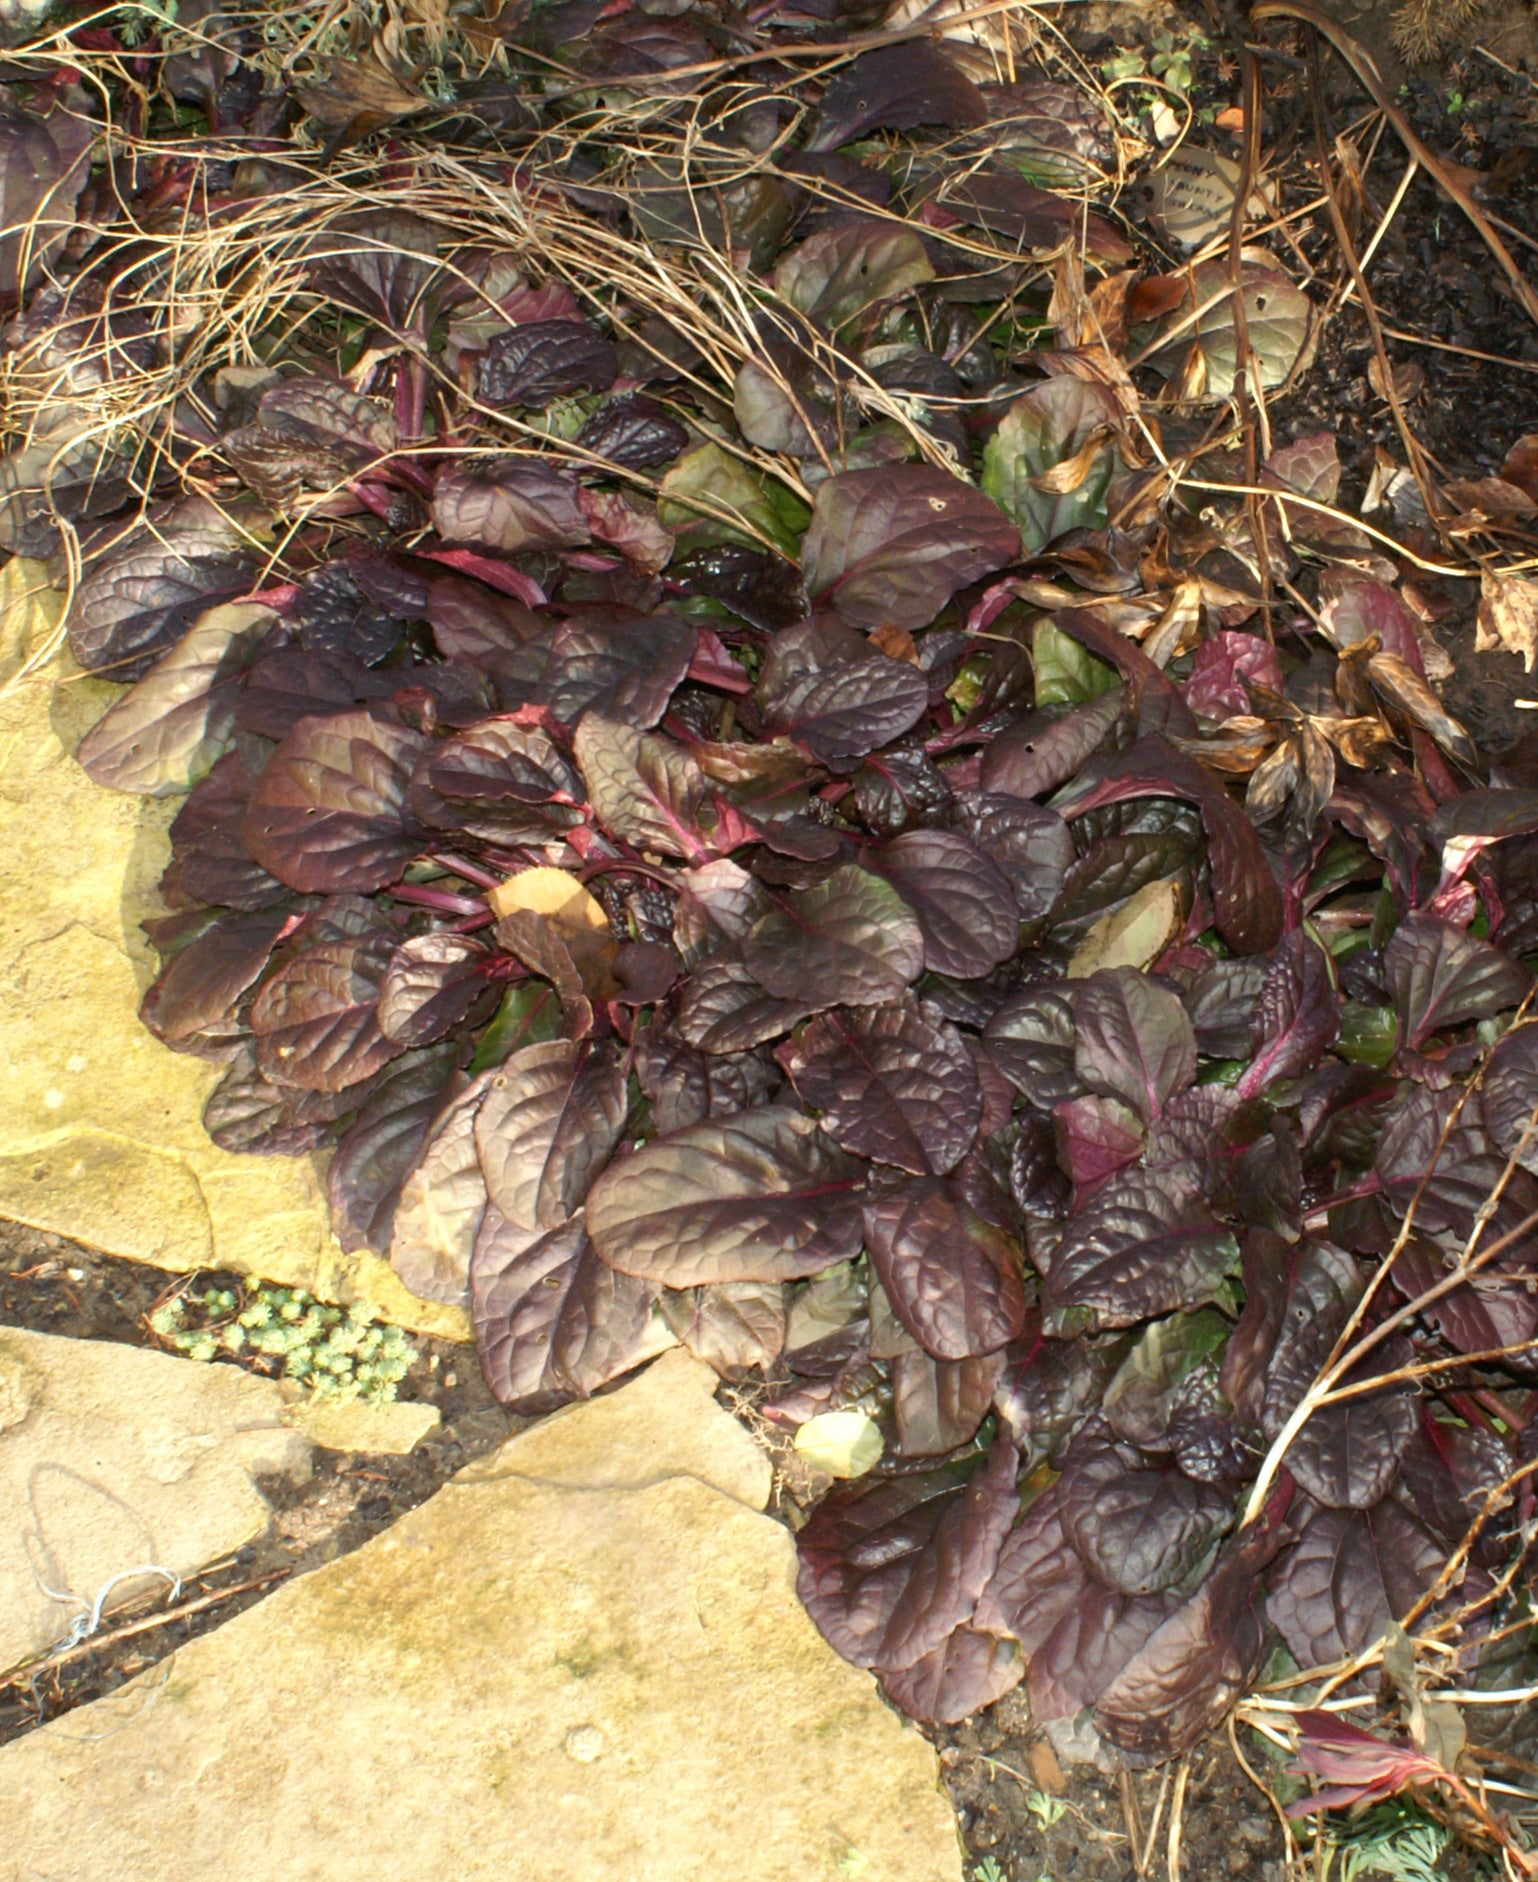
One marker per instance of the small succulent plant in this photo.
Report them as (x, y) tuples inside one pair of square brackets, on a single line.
[(342, 1353)]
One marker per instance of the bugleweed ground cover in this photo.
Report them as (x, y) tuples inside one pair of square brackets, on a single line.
[(776, 751)]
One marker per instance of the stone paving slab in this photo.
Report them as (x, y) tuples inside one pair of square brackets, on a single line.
[(392, 1430), (113, 1459), (100, 1126), (525, 1680)]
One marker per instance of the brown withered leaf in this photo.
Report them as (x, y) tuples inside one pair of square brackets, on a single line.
[(896, 641), (1064, 478), (1491, 499), (1508, 617), (352, 97), (1274, 782), (1521, 465), (1316, 781), (1361, 742), (1179, 627), (1236, 748), (1404, 689), (1409, 377), (559, 931)]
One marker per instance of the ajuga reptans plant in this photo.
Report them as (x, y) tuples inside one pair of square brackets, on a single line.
[(725, 793)]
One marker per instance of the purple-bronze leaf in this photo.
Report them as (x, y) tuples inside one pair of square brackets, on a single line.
[(1297, 1016), (894, 545), (317, 1019), (328, 815), (1096, 1137), (761, 1195), (1134, 1040), (1034, 757), (890, 1084), (849, 940), (896, 88), (1350, 1573), (953, 1279), (1347, 1453), (964, 903), (644, 789), (201, 984), (552, 1321), (723, 1009), (835, 694), (165, 734), (382, 1144), (1077, 1634), (433, 983), (1031, 845), (1048, 1385), (1247, 898), (1136, 1251), (732, 1327), (940, 1404), (1033, 1042), (967, 1671), (1189, 1673), (1441, 976), (889, 1570), (441, 1205), (508, 504), (551, 1116)]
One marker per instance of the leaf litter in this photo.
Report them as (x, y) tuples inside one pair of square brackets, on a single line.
[(775, 758)]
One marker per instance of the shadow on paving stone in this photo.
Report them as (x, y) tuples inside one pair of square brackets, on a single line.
[(582, 1660)]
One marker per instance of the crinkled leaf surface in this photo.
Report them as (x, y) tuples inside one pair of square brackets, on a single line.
[(329, 813), (964, 902), (837, 273), (953, 1279), (1135, 1251), (895, 545), (849, 940), (1139, 1523), (1441, 976), (549, 1119), (762, 1195), (552, 1321), (890, 1084), (836, 695), (1133, 1040), (1350, 1573), (889, 1571), (317, 1018), (166, 734)]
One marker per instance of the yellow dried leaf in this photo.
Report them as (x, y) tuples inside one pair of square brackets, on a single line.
[(843, 1443), (1064, 478), (560, 932), (1134, 935), (551, 892), (1508, 617)]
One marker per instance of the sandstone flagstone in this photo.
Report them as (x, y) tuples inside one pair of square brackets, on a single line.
[(665, 1423), (101, 1134), (524, 1678), (114, 1460), (392, 1429)]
